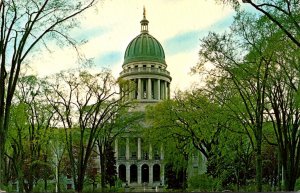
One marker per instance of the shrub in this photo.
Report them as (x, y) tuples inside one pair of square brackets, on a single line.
[(203, 183)]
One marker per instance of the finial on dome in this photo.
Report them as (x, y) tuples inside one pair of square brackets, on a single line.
[(144, 12), (144, 22)]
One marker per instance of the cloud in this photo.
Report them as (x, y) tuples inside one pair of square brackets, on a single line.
[(178, 25), (80, 33), (109, 58), (183, 42)]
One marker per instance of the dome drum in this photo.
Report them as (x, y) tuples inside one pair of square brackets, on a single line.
[(145, 70), (144, 64)]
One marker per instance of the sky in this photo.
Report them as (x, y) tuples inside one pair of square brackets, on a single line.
[(177, 24)]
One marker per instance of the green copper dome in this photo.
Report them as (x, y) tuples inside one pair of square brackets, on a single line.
[(144, 48)]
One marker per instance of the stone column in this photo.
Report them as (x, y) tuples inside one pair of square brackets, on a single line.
[(162, 174), (166, 90), (162, 90), (128, 173), (116, 149), (158, 89), (149, 89), (150, 151), (139, 149), (139, 92), (139, 174), (161, 152), (131, 95), (150, 174), (127, 148), (121, 91), (125, 92)]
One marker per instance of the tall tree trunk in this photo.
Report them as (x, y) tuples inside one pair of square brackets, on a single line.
[(81, 176), (80, 183), (20, 178), (279, 171), (258, 167), (58, 178), (102, 167), (289, 177), (1, 156), (45, 185), (3, 131)]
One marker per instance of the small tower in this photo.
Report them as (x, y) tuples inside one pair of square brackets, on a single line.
[(145, 65)]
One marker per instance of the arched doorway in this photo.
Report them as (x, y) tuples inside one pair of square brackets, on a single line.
[(156, 173), (122, 172), (133, 173), (145, 173)]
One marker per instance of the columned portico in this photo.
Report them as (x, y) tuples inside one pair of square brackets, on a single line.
[(150, 89), (139, 170)]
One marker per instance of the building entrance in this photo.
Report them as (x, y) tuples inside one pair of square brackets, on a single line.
[(156, 173), (122, 172), (145, 173), (133, 173)]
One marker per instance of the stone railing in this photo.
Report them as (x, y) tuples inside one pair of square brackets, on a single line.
[(138, 70)]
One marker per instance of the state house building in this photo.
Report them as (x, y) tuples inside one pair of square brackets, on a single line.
[(138, 161)]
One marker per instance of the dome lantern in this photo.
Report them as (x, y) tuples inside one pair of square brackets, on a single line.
[(144, 23)]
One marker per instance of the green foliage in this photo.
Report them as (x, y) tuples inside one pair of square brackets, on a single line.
[(297, 186), (40, 187), (204, 183), (191, 119)]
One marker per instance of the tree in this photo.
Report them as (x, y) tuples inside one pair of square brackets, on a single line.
[(192, 121), (31, 119), (242, 61), (110, 166), (84, 104), (285, 14), (25, 25), (283, 108), (187, 118)]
